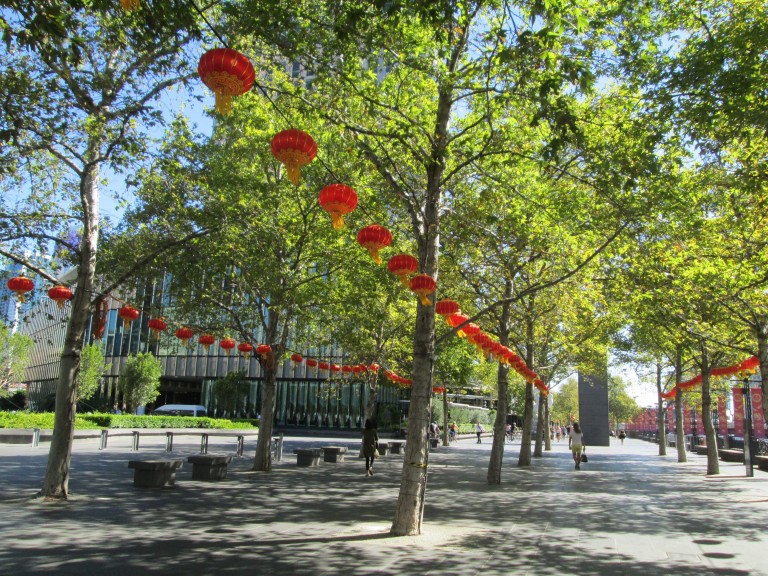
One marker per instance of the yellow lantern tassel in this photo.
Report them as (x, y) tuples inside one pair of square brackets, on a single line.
[(337, 218), (425, 301), (223, 103), (129, 5)]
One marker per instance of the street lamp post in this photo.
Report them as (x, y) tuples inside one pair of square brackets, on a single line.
[(747, 398), (693, 428)]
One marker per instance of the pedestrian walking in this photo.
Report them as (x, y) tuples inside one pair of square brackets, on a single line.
[(622, 435), (452, 431), (370, 445), (576, 443), (479, 430)]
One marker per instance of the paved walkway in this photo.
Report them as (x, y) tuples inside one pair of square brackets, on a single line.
[(627, 512)]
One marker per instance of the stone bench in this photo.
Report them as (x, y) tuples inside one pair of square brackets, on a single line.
[(154, 473), (732, 455), (700, 450), (307, 456), (383, 448), (333, 453), (762, 463), (396, 447), (209, 466)]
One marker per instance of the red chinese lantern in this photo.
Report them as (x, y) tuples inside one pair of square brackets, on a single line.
[(347, 370), (403, 266), (373, 367), (295, 149), (296, 359), (184, 334), (128, 314), (20, 285), (373, 238), (129, 5), (311, 363), (157, 325), (59, 294), (337, 200), (263, 350), (227, 344), (447, 308), (335, 368), (438, 390), (245, 349), (323, 365), (228, 73), (206, 340), (423, 285), (457, 320)]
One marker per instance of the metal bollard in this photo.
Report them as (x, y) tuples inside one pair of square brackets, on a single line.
[(135, 446), (204, 444), (103, 442), (36, 437), (169, 441), (240, 445)]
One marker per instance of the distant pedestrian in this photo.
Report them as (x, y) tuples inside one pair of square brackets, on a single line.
[(479, 430), (370, 445), (576, 444), (508, 433), (622, 435), (452, 431), (557, 433), (434, 430)]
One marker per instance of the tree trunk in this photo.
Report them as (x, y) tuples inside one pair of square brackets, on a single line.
[(547, 426), (713, 464), (499, 426), (262, 462), (56, 480), (660, 416), (502, 380), (680, 441), (413, 480), (542, 431), (525, 441)]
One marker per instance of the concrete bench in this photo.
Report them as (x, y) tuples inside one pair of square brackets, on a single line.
[(396, 447), (383, 448), (333, 453), (732, 456), (154, 473), (209, 466), (700, 450), (307, 456), (762, 463)]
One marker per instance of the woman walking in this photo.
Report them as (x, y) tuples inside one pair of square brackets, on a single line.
[(370, 445), (576, 443)]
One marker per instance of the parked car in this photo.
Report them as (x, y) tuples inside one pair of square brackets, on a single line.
[(180, 410)]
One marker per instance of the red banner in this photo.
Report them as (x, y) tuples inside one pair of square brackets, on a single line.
[(738, 411), (758, 418), (722, 416)]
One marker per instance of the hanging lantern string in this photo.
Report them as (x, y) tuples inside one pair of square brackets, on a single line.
[(277, 109)]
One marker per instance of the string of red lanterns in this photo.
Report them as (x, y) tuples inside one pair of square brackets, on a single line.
[(742, 369)]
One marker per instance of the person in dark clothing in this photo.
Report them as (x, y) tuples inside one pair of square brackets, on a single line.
[(370, 445)]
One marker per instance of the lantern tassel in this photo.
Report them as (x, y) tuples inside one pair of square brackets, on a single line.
[(425, 301), (375, 255), (338, 220), (129, 5), (223, 104), (294, 175), (404, 280)]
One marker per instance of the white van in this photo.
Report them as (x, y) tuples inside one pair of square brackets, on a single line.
[(180, 410)]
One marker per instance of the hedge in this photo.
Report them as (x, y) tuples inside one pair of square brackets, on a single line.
[(95, 421)]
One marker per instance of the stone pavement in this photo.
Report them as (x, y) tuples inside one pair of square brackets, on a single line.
[(627, 512)]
